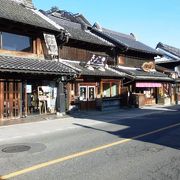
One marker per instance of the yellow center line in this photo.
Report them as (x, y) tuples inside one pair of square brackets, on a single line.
[(82, 153)]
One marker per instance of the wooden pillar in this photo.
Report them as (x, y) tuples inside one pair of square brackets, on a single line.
[(39, 48), (77, 89), (34, 46)]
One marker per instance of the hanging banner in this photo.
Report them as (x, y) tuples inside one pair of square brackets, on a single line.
[(148, 84)]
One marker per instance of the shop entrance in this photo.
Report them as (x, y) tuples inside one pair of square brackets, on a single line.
[(41, 98), (87, 97)]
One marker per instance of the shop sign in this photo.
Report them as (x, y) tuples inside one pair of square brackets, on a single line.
[(148, 84), (148, 66), (51, 44), (97, 60)]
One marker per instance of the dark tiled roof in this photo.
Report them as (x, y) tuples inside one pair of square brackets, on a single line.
[(177, 80), (126, 41), (77, 33), (18, 13), (109, 72), (139, 74), (82, 19), (169, 49), (166, 60), (27, 65), (163, 69)]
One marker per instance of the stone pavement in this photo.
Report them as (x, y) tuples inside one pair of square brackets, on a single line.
[(40, 125)]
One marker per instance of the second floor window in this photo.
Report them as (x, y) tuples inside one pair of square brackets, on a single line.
[(15, 42)]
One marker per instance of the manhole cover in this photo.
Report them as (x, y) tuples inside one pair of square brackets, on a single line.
[(16, 149)]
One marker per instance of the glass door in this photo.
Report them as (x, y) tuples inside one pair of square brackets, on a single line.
[(91, 93), (83, 93), (87, 93)]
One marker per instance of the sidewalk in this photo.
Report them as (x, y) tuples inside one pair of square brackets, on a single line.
[(49, 124)]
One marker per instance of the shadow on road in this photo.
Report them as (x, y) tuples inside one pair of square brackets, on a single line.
[(137, 125)]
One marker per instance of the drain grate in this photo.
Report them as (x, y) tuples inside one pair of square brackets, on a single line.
[(16, 149)]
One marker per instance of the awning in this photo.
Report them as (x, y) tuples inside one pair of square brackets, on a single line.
[(148, 84), (138, 74)]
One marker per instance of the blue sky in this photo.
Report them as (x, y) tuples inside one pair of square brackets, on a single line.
[(151, 21)]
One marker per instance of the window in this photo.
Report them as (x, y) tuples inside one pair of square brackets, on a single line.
[(15, 42), (106, 90), (114, 89), (110, 89)]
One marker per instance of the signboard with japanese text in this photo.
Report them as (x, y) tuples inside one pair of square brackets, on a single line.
[(51, 44)]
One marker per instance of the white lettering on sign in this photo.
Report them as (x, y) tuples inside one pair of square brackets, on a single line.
[(97, 60)]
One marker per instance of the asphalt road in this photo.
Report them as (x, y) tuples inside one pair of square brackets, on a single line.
[(141, 148)]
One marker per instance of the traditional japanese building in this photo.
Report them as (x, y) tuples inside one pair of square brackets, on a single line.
[(169, 63), (170, 58), (30, 75), (98, 86), (136, 60)]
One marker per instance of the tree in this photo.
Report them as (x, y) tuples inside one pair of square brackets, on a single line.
[(54, 9)]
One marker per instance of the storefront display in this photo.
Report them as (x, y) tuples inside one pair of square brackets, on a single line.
[(41, 99), (155, 92)]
